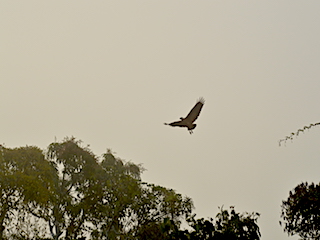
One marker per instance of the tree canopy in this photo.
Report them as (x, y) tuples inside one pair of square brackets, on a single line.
[(226, 225), (67, 192), (301, 211)]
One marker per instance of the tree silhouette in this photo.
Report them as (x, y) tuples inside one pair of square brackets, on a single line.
[(74, 194), (301, 211), (25, 178)]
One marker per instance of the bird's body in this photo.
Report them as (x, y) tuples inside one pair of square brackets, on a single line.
[(190, 118)]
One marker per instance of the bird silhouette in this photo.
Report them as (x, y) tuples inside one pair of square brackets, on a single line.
[(190, 118)]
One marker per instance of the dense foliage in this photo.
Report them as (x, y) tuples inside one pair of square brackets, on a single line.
[(70, 193), (301, 211), (226, 225)]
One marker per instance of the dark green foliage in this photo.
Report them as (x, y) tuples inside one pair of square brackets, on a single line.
[(156, 209), (226, 225), (78, 177), (25, 178), (235, 226), (75, 194), (301, 211), (114, 196), (202, 229)]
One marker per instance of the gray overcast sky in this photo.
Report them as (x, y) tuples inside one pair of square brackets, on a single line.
[(112, 72)]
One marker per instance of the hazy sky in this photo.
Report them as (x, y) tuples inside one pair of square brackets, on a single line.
[(112, 72)]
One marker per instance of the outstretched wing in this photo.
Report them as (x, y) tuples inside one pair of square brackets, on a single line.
[(176, 124), (195, 111)]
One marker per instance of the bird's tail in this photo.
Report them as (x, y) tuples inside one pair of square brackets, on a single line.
[(166, 124)]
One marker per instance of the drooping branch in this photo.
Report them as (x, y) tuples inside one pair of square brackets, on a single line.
[(301, 130)]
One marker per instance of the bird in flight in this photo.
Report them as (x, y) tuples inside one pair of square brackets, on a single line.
[(190, 118)]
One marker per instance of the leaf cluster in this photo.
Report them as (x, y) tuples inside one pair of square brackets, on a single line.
[(301, 211), (226, 225)]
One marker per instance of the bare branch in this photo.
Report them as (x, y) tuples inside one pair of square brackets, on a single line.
[(301, 130)]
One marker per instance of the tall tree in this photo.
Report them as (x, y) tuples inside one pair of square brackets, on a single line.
[(159, 212), (25, 177), (78, 168), (116, 194), (301, 211)]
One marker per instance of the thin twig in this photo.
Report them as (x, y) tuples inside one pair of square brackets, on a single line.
[(298, 132)]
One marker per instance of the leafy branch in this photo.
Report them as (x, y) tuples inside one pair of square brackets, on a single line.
[(301, 130)]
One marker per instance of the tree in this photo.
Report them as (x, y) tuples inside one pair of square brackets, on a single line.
[(158, 212), (227, 225), (75, 194), (301, 211), (231, 226), (90, 196), (25, 177), (237, 226), (116, 194), (78, 176), (98, 197)]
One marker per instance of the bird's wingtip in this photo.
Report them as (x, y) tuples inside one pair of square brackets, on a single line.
[(202, 100)]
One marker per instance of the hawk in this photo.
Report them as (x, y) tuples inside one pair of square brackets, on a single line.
[(190, 118)]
